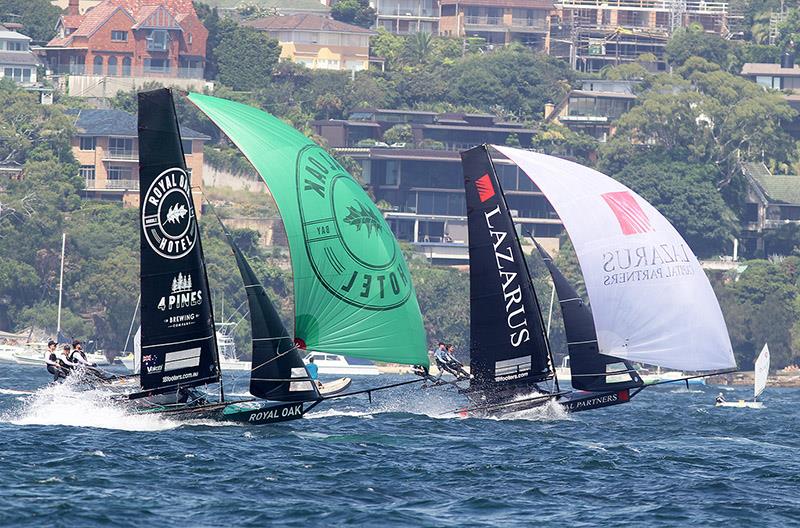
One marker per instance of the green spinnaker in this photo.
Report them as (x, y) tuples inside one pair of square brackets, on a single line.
[(353, 291)]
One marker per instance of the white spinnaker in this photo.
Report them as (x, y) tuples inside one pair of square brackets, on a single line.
[(651, 301), (137, 351), (762, 371)]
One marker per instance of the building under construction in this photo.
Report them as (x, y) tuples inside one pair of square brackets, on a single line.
[(592, 34)]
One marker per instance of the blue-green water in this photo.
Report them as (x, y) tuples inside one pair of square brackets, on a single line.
[(669, 458)]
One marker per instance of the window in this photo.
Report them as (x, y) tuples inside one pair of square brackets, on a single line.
[(97, 65), (157, 41), (119, 172), (87, 172), (20, 75), (126, 67), (87, 142), (16, 45), (120, 147), (119, 36), (187, 146), (112, 65), (190, 39), (156, 65)]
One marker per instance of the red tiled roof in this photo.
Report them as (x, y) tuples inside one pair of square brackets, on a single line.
[(138, 10), (305, 21)]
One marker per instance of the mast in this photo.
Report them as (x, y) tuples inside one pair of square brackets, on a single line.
[(133, 320), (61, 283)]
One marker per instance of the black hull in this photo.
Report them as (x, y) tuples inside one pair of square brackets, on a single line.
[(251, 412), (571, 401)]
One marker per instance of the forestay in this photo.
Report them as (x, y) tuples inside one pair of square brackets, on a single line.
[(762, 372), (353, 291), (651, 301)]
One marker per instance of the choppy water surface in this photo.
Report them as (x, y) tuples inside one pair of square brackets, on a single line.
[(667, 459)]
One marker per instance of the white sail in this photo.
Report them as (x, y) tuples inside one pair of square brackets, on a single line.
[(762, 371), (137, 351), (651, 301)]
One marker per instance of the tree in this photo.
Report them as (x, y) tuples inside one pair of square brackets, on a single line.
[(418, 48), (686, 195), (557, 140), (246, 58), (693, 41), (760, 307), (357, 12), (38, 17), (398, 134)]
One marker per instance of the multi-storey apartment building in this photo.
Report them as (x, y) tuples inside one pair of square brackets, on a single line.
[(593, 34), (107, 149), (498, 22), (317, 41), (446, 131), (407, 16), (424, 187)]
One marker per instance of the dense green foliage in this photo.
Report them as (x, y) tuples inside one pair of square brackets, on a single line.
[(357, 12), (245, 56), (38, 17)]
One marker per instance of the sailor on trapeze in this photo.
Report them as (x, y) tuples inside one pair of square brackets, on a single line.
[(445, 362)]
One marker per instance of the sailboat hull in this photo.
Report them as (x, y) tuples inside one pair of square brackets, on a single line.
[(571, 401), (250, 412), (742, 404)]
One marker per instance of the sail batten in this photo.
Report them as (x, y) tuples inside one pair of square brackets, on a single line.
[(651, 301), (353, 291), (178, 343)]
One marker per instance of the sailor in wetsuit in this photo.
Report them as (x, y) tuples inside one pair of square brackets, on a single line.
[(79, 356), (447, 363), (64, 361), (51, 360), (720, 398)]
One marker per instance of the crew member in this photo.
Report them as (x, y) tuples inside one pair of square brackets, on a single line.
[(51, 360), (446, 363), (78, 355), (720, 398), (65, 362), (313, 372)]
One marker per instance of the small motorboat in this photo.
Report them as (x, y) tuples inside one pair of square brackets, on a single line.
[(342, 365)]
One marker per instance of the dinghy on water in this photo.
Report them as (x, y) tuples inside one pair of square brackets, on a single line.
[(353, 292), (759, 384), (651, 301)]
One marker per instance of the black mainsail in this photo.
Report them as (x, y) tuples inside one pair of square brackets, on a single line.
[(590, 370), (278, 371), (178, 341), (508, 345)]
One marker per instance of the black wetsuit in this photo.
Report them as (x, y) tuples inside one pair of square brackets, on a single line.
[(54, 366)]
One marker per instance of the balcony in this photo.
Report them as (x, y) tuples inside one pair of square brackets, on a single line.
[(120, 155), (123, 70), (538, 24), (122, 185), (112, 185), (483, 21), (692, 6)]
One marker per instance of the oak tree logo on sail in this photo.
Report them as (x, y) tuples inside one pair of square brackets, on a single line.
[(168, 219), (351, 249)]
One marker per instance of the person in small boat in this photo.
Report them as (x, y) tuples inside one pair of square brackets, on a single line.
[(313, 372), (720, 398), (51, 360)]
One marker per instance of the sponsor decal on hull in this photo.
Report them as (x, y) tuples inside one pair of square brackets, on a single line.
[(275, 414), (595, 402)]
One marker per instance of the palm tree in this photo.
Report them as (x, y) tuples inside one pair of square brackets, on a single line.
[(418, 48)]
